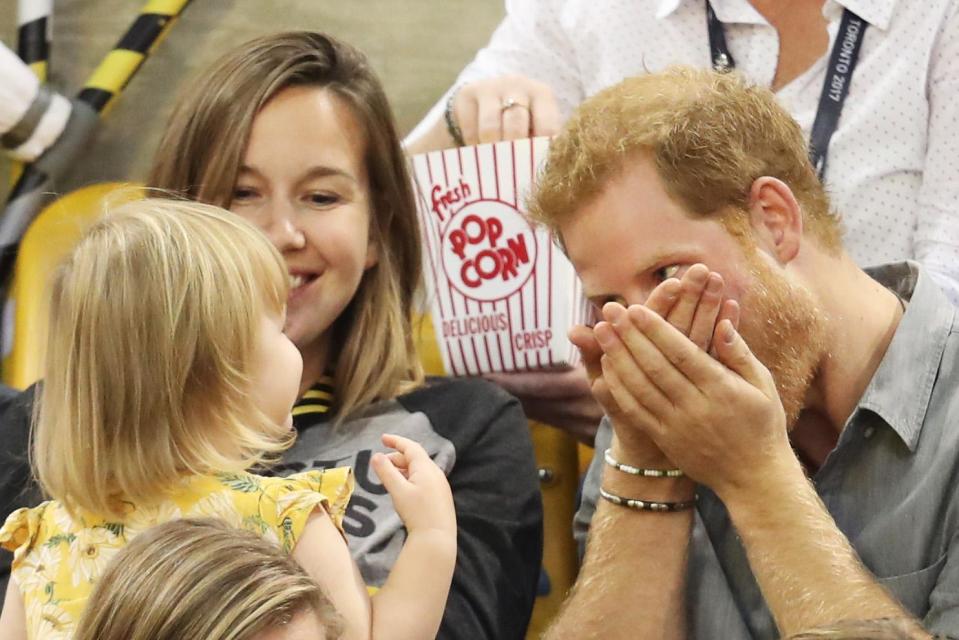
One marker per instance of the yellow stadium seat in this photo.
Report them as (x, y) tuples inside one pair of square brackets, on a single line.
[(51, 236)]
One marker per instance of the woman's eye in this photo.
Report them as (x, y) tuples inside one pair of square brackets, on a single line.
[(243, 193), (322, 199), (667, 272)]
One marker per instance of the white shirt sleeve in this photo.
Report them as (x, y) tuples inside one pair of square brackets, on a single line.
[(18, 89), (937, 232), (531, 41)]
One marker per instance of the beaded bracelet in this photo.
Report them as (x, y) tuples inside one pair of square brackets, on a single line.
[(647, 505), (454, 129), (639, 471)]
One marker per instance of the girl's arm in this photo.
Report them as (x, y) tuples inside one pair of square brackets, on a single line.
[(13, 622), (324, 554), (410, 604)]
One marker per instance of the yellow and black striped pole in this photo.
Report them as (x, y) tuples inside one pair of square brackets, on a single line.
[(33, 47), (33, 35), (113, 74), (32, 190)]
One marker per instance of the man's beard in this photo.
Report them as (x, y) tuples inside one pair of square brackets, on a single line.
[(786, 331)]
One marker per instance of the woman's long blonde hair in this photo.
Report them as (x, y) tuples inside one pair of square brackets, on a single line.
[(201, 152), (153, 322), (199, 578)]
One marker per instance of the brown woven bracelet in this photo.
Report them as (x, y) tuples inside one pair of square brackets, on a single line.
[(647, 505)]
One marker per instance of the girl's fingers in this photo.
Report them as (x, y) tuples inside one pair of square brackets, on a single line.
[(412, 453), (403, 445), (389, 475), (397, 458)]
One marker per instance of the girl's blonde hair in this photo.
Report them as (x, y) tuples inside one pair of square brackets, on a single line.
[(199, 578), (153, 322), (202, 149)]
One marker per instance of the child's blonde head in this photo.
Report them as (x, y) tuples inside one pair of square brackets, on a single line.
[(201, 579), (154, 316)]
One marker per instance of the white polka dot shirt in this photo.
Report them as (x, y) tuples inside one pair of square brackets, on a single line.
[(893, 169)]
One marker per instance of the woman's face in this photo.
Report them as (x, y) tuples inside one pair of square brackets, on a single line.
[(303, 182)]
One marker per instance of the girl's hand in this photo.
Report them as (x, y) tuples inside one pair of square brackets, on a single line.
[(419, 489)]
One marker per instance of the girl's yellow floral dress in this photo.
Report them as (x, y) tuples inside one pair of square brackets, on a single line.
[(58, 559)]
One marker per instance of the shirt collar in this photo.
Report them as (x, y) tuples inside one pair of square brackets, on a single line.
[(900, 390), (666, 7), (876, 12), (728, 11)]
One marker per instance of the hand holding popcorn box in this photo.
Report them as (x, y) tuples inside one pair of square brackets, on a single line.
[(502, 295)]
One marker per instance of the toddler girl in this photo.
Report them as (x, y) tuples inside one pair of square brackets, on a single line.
[(168, 376)]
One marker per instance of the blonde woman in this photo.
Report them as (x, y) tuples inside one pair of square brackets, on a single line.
[(293, 132), (168, 376), (201, 578)]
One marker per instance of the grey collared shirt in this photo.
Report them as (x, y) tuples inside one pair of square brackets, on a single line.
[(890, 484)]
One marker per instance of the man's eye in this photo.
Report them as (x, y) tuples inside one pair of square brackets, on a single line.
[(594, 315), (665, 273), (596, 307)]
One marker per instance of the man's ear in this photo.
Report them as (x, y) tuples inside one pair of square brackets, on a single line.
[(776, 218)]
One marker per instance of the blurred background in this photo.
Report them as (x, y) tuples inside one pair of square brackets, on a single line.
[(417, 46)]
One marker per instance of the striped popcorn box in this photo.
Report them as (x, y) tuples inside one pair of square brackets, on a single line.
[(502, 294)]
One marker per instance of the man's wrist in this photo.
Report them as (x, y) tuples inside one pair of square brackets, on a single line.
[(628, 485), (764, 497), (639, 452)]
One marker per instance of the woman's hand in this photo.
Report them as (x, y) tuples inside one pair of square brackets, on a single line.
[(505, 108)]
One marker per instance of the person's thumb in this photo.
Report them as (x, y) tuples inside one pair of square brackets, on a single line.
[(732, 351), (389, 475)]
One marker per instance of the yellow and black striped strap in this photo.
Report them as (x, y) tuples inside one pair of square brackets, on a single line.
[(316, 402)]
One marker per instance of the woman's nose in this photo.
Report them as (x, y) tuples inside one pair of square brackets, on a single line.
[(284, 233)]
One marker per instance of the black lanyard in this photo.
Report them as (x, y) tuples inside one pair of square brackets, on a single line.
[(835, 88)]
